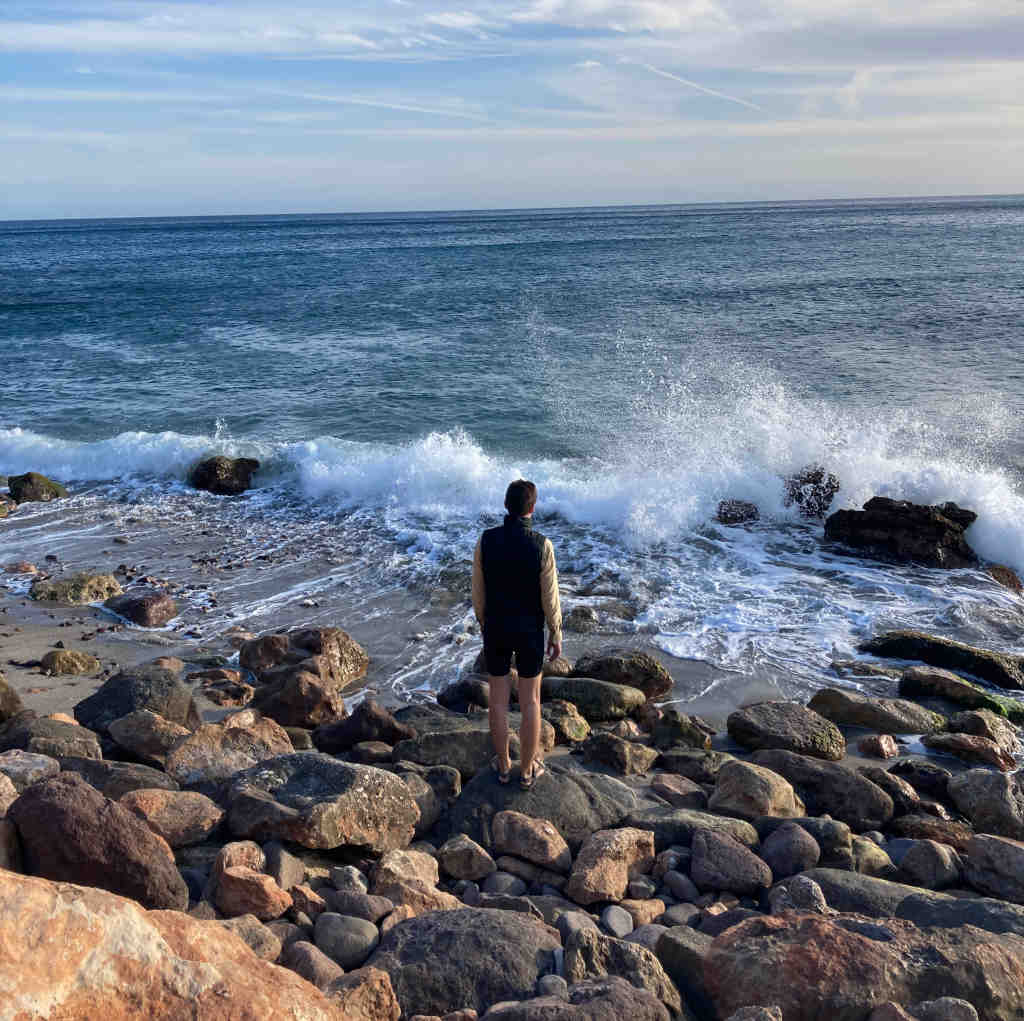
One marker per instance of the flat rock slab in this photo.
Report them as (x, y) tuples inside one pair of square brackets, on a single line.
[(934, 681), (677, 826), (789, 726), (596, 700), (470, 958), (314, 800)]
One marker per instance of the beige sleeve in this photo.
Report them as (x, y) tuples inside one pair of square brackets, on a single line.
[(549, 593), (479, 592)]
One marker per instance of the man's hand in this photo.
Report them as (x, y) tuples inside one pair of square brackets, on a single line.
[(554, 650)]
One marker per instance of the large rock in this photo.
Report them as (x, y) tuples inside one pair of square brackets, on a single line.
[(575, 803), (43, 736), (471, 958), (906, 531), (607, 861), (467, 749), (626, 666), (886, 715), (677, 826), (225, 476), (994, 802), (999, 668), (328, 653), (145, 607), (971, 748), (569, 725), (630, 758), (143, 687), (933, 681), (594, 999), (987, 724), (216, 751), (69, 662), (33, 487), (995, 866), (811, 489), (26, 768), (591, 954), (815, 967), (750, 792), (70, 832), (534, 840), (244, 891), (76, 590), (10, 700), (596, 701), (368, 722), (721, 863), (828, 788), (180, 817), (789, 726), (115, 779), (79, 954), (311, 799), (147, 736)]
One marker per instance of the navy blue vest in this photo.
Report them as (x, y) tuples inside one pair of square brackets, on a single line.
[(511, 555)]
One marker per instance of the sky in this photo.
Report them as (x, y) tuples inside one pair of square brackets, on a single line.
[(127, 108)]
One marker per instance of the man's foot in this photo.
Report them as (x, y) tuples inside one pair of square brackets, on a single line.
[(527, 780), (503, 774)]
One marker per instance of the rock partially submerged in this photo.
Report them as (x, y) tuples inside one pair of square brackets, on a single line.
[(811, 489), (76, 590), (33, 487), (224, 476), (146, 607), (628, 667)]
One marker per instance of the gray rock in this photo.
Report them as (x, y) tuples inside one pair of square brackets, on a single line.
[(596, 701), (995, 866), (682, 886), (572, 921), (832, 837), (617, 921), (647, 935), (603, 999), (798, 893), (699, 766), (930, 864), (994, 802), (680, 914), (115, 779), (683, 952), (143, 687), (41, 736), (929, 779), (346, 940), (348, 878), (262, 941), (721, 863), (677, 826), (311, 963), (946, 1008), (715, 925), (642, 888), (26, 768), (553, 985), (886, 715), (503, 883), (370, 907), (789, 850), (624, 667), (286, 869), (788, 726)]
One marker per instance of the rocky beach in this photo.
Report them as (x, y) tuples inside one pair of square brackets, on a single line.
[(238, 823)]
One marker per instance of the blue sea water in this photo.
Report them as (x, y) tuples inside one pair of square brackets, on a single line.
[(394, 372)]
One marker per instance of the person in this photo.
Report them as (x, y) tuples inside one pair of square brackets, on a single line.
[(515, 591)]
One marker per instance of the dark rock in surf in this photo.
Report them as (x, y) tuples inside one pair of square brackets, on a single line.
[(1006, 576), (628, 667), (368, 722), (811, 489), (917, 533), (33, 487), (224, 476), (458, 696), (737, 512), (146, 607), (786, 725)]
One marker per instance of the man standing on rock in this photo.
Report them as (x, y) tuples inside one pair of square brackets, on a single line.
[(515, 589)]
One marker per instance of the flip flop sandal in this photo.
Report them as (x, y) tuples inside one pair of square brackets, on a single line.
[(503, 777), (527, 781)]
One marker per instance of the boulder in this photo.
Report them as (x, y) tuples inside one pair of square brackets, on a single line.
[(581, 619), (929, 779), (115, 779), (811, 489), (790, 850), (311, 963), (987, 724), (888, 715), (721, 863), (469, 958), (971, 749), (346, 940), (145, 607), (815, 967), (42, 736), (995, 866), (68, 661), (33, 487), (591, 954), (597, 701), (26, 768), (217, 751), (224, 476), (879, 746), (749, 792), (999, 668), (994, 802), (467, 748), (328, 653), (10, 700), (630, 758), (682, 951), (674, 729), (311, 799), (927, 681), (71, 833), (143, 687), (607, 861), (460, 695), (463, 858), (931, 865), (904, 798), (833, 838), (368, 722), (255, 935), (788, 726), (905, 531), (67, 949), (534, 840), (679, 792), (244, 891), (699, 766), (594, 999), (366, 995), (629, 667), (575, 803), (147, 736), (300, 698), (569, 726), (828, 788), (675, 827), (736, 512), (76, 590), (927, 827), (180, 817), (798, 893)]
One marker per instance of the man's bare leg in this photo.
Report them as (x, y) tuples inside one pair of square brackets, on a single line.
[(529, 732), (497, 717)]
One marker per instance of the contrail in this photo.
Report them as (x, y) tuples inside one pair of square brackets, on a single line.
[(699, 88)]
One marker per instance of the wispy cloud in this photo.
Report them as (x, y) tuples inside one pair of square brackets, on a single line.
[(699, 88)]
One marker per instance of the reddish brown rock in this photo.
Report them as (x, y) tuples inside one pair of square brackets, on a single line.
[(148, 736), (643, 912), (535, 840), (70, 832), (10, 846), (66, 949), (879, 746), (224, 687), (749, 792), (679, 792), (8, 794), (461, 857), (972, 749), (368, 722), (146, 607), (365, 995), (340, 659), (180, 817), (307, 900), (244, 891), (607, 861)]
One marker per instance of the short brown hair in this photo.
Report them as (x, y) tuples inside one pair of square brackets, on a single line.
[(520, 497)]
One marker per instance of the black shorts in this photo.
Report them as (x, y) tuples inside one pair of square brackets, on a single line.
[(528, 647)]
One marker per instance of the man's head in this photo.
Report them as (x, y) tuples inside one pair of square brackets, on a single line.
[(520, 498)]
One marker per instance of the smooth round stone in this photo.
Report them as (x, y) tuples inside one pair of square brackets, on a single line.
[(346, 940), (553, 985), (618, 921), (642, 888), (504, 882), (681, 887), (680, 914), (574, 921), (647, 935)]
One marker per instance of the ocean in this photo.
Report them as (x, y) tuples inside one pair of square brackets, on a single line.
[(392, 373)]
